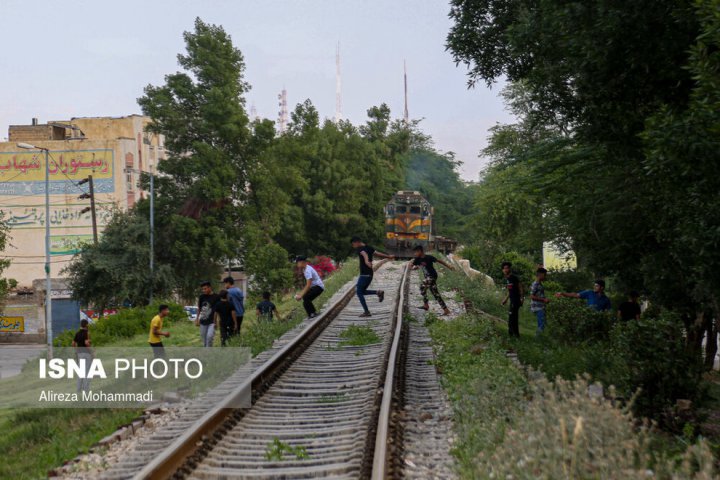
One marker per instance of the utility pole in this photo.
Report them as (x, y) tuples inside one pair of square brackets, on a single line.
[(48, 277), (152, 235), (91, 208), (152, 226)]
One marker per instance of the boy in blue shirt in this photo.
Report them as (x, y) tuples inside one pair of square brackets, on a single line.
[(595, 298)]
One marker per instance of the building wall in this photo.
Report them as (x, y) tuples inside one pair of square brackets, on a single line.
[(109, 147)]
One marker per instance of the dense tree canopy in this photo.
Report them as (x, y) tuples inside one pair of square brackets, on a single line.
[(617, 136)]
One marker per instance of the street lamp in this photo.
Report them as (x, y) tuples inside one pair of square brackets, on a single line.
[(48, 279)]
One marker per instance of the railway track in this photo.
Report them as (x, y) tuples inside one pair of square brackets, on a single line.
[(320, 408)]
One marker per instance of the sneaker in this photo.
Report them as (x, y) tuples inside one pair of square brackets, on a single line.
[(425, 307), (365, 315), (312, 315), (381, 295)]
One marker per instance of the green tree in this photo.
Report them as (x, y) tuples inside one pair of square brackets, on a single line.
[(203, 185)]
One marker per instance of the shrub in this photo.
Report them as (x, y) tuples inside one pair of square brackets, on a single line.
[(572, 321), (650, 354), (124, 324)]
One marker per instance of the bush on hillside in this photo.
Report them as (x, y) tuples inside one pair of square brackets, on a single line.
[(650, 355), (571, 321)]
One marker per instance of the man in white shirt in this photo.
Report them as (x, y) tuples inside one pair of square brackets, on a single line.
[(314, 286)]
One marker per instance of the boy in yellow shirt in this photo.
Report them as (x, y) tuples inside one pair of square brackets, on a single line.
[(156, 331)]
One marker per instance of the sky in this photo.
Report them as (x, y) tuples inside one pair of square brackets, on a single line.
[(93, 58)]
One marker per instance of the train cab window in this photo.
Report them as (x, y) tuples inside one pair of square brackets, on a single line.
[(415, 210), (401, 209), (390, 210)]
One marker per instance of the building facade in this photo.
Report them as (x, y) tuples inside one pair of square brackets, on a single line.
[(114, 150)]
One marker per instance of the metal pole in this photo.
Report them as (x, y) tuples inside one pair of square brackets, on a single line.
[(92, 209), (48, 279), (152, 234)]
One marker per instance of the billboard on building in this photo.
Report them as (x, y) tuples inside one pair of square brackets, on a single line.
[(23, 173)]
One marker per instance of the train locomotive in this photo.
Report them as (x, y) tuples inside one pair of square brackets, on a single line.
[(409, 222)]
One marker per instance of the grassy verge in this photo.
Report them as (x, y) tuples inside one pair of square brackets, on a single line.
[(515, 426), (36, 440)]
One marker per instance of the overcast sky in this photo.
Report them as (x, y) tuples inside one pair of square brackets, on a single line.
[(93, 58)]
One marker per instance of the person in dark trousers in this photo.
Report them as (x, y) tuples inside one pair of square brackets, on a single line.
[(156, 332), (595, 298), (227, 317), (630, 310), (515, 296), (82, 345), (266, 309), (237, 299), (206, 314), (365, 254), (426, 262), (314, 286), (538, 300)]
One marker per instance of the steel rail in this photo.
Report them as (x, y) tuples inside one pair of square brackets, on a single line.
[(172, 458), (381, 459)]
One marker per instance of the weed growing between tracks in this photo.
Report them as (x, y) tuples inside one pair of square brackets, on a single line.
[(358, 336), (277, 449)]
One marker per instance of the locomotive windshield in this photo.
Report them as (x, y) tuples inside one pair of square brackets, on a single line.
[(401, 209), (415, 210)]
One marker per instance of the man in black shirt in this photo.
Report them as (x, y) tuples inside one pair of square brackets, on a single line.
[(227, 317), (81, 342), (206, 314), (426, 262), (630, 310), (266, 309), (515, 295), (365, 254)]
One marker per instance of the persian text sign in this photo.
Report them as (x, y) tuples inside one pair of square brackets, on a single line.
[(60, 216), (68, 244), (23, 173), (12, 324)]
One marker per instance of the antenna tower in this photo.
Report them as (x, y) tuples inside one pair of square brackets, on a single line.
[(406, 116), (283, 113), (338, 86)]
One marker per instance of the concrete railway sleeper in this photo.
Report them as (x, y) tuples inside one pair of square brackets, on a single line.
[(318, 404)]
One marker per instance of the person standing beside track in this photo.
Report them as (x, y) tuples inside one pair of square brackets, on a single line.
[(515, 295), (237, 299), (365, 254), (314, 286), (206, 314), (156, 332), (83, 352), (431, 275)]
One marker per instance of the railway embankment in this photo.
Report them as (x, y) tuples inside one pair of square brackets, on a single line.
[(512, 421)]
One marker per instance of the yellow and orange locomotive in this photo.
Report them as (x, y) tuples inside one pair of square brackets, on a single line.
[(409, 222)]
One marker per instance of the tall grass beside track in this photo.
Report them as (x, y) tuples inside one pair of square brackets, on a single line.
[(517, 425)]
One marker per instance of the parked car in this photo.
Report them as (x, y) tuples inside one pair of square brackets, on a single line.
[(192, 313)]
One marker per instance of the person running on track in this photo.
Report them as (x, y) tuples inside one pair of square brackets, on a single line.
[(430, 281), (314, 286), (365, 254)]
